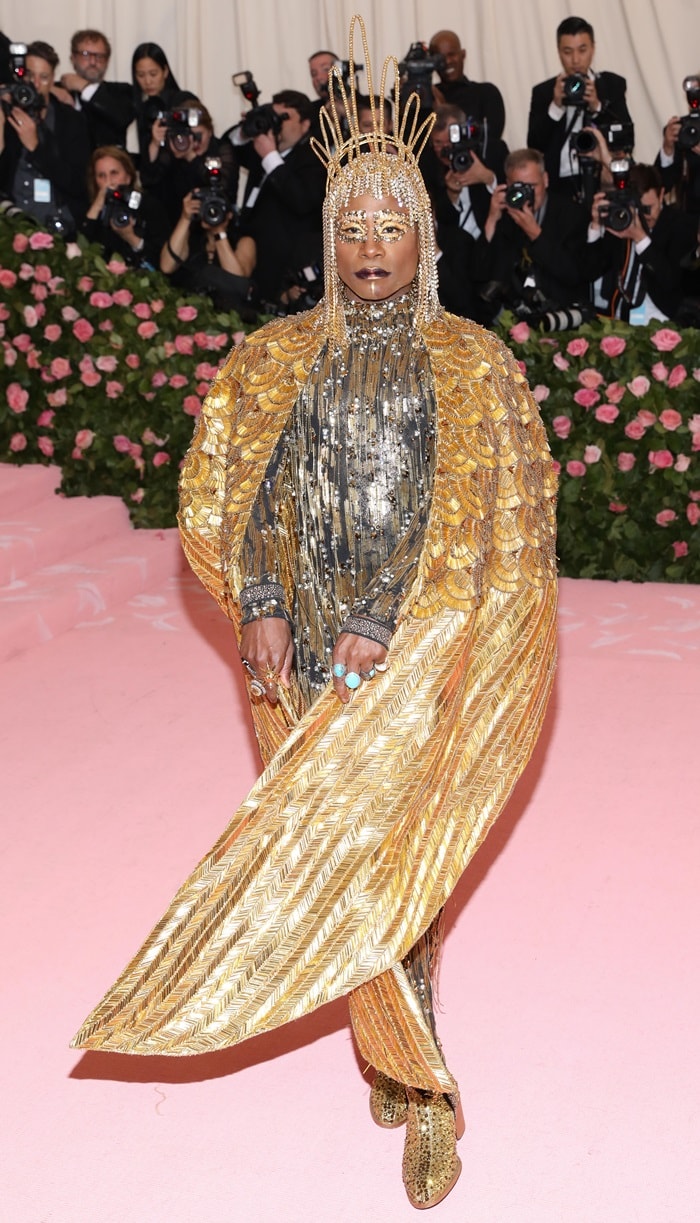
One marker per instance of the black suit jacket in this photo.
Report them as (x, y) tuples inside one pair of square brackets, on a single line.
[(673, 237), (548, 135), (556, 258), (478, 99), (683, 176), (61, 156), (109, 112), (286, 211)]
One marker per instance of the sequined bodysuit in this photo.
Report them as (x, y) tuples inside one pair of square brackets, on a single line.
[(357, 461)]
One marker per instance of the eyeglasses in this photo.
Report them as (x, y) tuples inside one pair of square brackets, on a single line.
[(100, 55)]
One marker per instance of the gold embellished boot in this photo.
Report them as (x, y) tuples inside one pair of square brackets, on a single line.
[(431, 1165), (388, 1102)]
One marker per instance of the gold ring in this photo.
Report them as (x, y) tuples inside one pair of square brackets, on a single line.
[(270, 675)]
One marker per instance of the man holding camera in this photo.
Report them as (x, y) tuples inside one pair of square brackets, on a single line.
[(182, 143), (320, 64), (679, 156), (637, 247), (284, 194), (533, 243), (578, 97), (462, 168), (108, 105), (479, 100)]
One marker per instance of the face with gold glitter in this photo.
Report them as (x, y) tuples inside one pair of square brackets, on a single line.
[(376, 248)]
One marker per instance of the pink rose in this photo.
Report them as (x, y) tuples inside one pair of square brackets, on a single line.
[(646, 418), (160, 458), (101, 301), (85, 284), (556, 467), (22, 342), (42, 273), (521, 366), (45, 419), (33, 359), (117, 267), (121, 443), (694, 424), (696, 374), (191, 405), (142, 310), (69, 314), (665, 516), (133, 360), (52, 332), (694, 495), (680, 548), (26, 271), (55, 284), (560, 361), (58, 398), (692, 513), (184, 344), (147, 330), (83, 331), (177, 381), (31, 318), (139, 495), (590, 378), (40, 242), (159, 378), (670, 419), (220, 341), (114, 389), (39, 293), (84, 438), (17, 397), (76, 453), (122, 297), (149, 438), (575, 468), (614, 392), (665, 340), (187, 314), (617, 507), (682, 463), (10, 355), (592, 454), (205, 370), (613, 345), (90, 377), (625, 460), (135, 452), (169, 348), (20, 242), (562, 426), (239, 336), (8, 279), (607, 413), (46, 446), (520, 333), (18, 442), (577, 347), (586, 398), (659, 371), (106, 325), (4, 313), (661, 458), (677, 375), (202, 388), (540, 392), (635, 430), (639, 386), (157, 305), (107, 364), (86, 362)]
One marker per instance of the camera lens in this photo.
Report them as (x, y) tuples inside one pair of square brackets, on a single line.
[(585, 142)]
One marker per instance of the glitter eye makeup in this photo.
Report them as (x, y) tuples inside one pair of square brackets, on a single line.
[(391, 226), (352, 226)]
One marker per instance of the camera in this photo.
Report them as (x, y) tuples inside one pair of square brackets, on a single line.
[(622, 203), (180, 126), (519, 195), (310, 280), (689, 130), (244, 81), (574, 89), (120, 207), (465, 140), (262, 119), (565, 319), (214, 204), (23, 93), (416, 73)]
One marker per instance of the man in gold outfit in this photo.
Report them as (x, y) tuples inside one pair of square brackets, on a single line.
[(369, 496)]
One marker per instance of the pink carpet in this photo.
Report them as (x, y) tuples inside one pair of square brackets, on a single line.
[(570, 986)]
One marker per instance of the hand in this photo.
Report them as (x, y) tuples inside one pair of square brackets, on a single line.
[(63, 95), (97, 204), (635, 231), (357, 654), (601, 152), (599, 198), (159, 133), (496, 210), (220, 228), (26, 128), (73, 82), (477, 173), (525, 219), (265, 143), (558, 92), (593, 102), (190, 206), (268, 648), (671, 131)]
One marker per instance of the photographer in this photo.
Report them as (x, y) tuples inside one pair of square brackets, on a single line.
[(201, 255), (576, 98), (155, 90), (320, 64), (184, 139), (679, 156), (480, 99), (285, 188), (639, 263), (461, 170), (108, 106), (533, 242), (125, 221), (44, 148)]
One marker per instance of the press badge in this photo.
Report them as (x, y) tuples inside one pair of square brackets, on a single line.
[(42, 191)]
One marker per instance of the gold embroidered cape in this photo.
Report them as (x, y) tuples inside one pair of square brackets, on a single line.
[(365, 817)]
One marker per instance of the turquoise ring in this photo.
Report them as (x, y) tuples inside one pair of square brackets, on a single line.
[(339, 669), (352, 680)]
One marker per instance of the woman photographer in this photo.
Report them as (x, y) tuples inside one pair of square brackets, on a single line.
[(155, 91), (200, 255), (125, 221), (44, 147), (183, 145)]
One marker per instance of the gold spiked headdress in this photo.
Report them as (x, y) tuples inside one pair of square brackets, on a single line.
[(377, 163)]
